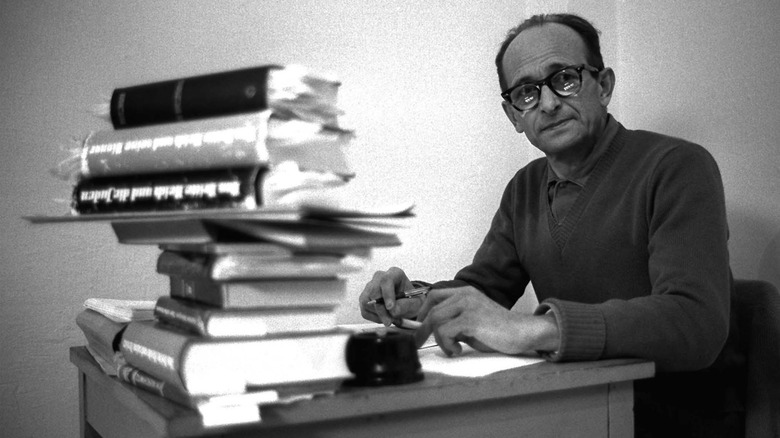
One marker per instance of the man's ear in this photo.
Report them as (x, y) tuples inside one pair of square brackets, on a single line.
[(513, 116), (607, 83)]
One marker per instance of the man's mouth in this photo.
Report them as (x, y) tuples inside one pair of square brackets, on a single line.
[(554, 125)]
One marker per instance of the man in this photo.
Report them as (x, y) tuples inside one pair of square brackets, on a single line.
[(622, 233)]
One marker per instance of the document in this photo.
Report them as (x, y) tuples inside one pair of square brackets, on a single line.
[(470, 363)]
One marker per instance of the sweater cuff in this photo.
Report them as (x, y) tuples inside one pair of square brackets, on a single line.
[(582, 329)]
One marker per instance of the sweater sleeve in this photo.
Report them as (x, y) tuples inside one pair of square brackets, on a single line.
[(496, 269), (683, 323)]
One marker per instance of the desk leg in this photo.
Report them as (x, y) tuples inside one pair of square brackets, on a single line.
[(87, 431), (621, 409)]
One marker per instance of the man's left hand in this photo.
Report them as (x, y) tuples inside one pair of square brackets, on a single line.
[(467, 315)]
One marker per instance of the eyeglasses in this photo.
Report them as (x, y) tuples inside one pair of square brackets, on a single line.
[(564, 83)]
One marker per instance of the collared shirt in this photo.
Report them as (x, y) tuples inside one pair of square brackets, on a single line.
[(562, 192)]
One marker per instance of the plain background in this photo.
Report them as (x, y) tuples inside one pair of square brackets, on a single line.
[(419, 87)]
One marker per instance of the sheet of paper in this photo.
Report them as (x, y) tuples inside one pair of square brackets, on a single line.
[(470, 363)]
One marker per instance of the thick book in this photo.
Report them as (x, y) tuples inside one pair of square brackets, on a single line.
[(260, 294), (290, 91), (169, 390), (218, 410), (214, 322), (233, 188), (205, 366), (103, 336), (229, 267), (240, 140)]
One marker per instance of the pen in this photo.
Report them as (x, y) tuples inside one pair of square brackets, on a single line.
[(406, 294)]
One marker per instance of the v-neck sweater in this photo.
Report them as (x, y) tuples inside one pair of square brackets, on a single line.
[(639, 266)]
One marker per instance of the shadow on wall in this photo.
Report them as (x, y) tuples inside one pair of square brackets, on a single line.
[(754, 246), (769, 264)]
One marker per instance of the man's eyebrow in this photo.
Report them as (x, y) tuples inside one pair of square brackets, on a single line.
[(552, 68)]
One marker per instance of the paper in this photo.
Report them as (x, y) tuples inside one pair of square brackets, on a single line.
[(122, 310), (470, 363)]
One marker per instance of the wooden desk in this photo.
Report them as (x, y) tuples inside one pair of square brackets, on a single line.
[(587, 399)]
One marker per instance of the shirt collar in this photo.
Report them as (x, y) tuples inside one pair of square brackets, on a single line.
[(610, 130)]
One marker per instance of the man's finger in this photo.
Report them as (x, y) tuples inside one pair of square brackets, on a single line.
[(447, 339)]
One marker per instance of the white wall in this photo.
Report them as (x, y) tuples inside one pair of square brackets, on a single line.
[(420, 89)]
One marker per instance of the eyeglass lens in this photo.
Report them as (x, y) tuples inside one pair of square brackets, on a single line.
[(563, 83)]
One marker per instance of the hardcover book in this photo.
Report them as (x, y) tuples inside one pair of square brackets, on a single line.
[(229, 267), (143, 380), (226, 366), (102, 335), (214, 322), (318, 292), (290, 91), (239, 188), (240, 140), (217, 410)]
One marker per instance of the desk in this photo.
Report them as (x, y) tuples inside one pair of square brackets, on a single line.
[(588, 399)]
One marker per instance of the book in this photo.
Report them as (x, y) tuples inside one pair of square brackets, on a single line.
[(229, 248), (239, 188), (290, 91), (169, 390), (228, 267), (224, 409), (328, 292), (313, 235), (314, 205), (240, 140), (175, 231), (215, 322), (215, 228), (121, 310), (102, 335), (205, 366)]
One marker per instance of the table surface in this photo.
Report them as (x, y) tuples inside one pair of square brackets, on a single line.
[(435, 392)]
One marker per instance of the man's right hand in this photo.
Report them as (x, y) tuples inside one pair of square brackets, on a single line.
[(386, 285)]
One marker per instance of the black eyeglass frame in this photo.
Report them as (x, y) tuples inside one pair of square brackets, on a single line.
[(506, 95)]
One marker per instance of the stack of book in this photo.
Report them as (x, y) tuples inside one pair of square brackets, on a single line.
[(213, 141), (250, 315)]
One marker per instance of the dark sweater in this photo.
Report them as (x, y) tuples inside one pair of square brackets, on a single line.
[(639, 267)]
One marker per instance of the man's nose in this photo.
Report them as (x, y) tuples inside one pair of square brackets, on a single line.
[(548, 101)]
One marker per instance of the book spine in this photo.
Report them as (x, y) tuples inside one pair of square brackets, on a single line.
[(222, 142), (314, 292), (190, 318), (194, 97), (207, 292), (187, 265), (156, 351), (145, 381), (100, 329), (239, 188)]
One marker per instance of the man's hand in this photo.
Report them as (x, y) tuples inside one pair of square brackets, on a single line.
[(386, 285), (467, 315)]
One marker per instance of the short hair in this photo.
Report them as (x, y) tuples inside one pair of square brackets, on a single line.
[(589, 34)]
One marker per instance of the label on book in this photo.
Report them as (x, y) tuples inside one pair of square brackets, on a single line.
[(183, 146), (220, 188)]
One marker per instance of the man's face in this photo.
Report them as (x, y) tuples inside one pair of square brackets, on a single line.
[(558, 126)]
